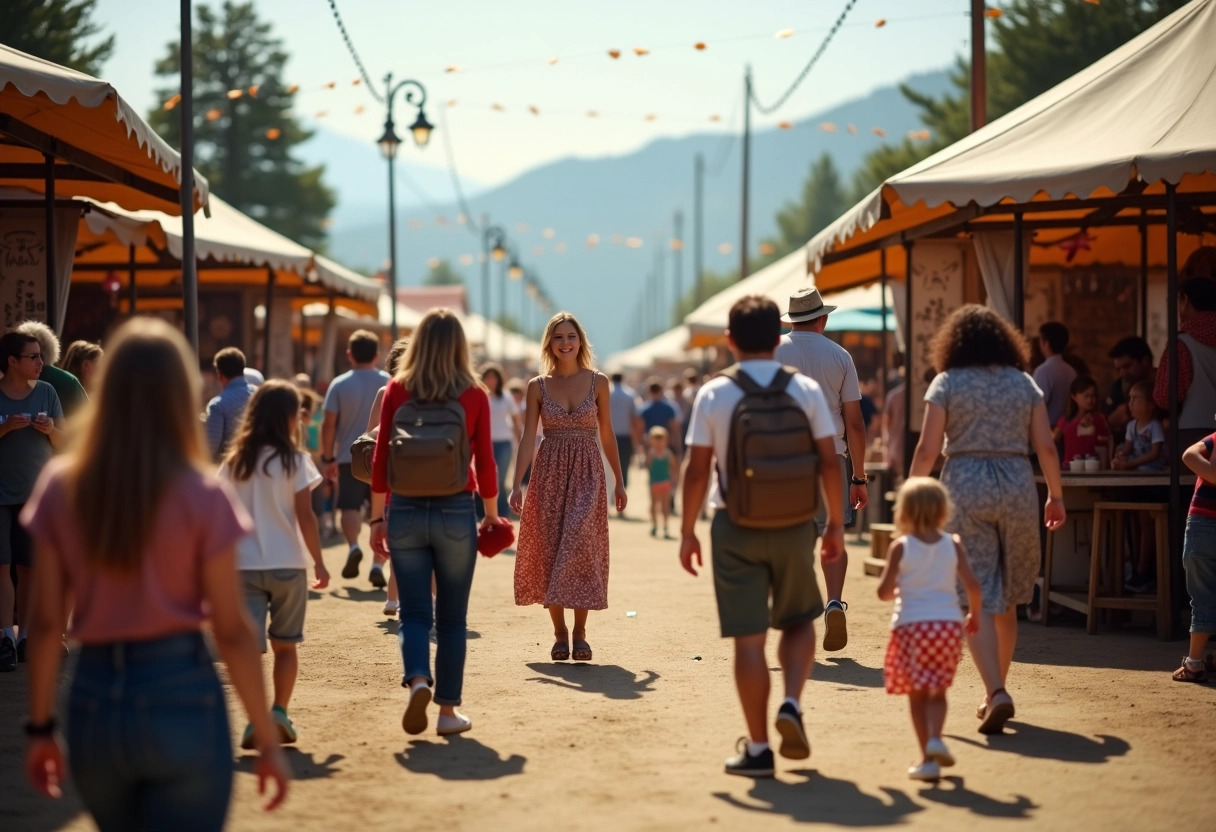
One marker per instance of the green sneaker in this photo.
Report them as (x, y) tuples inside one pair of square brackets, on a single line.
[(247, 741), (287, 731)]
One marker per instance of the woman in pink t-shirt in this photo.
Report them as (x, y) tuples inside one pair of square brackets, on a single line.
[(140, 536)]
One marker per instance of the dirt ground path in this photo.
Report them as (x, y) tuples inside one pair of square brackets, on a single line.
[(635, 740)]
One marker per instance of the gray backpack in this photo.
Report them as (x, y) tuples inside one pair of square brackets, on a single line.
[(429, 450)]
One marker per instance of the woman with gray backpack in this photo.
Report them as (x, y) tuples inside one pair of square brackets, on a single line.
[(434, 431)]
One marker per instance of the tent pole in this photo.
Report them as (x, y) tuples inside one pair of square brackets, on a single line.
[(1143, 276), (1019, 278), (52, 305), (909, 387), (979, 83), (131, 290), (186, 111), (1171, 349), (270, 278), (882, 255)]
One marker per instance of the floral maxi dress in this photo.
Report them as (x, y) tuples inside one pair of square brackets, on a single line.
[(562, 554)]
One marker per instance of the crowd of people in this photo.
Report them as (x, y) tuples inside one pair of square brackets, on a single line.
[(219, 521)]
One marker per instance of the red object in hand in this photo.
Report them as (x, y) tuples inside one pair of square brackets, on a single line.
[(494, 538)]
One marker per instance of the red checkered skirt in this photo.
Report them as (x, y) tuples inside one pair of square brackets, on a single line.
[(922, 656)]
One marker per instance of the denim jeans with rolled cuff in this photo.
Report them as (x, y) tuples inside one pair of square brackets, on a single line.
[(1199, 561)]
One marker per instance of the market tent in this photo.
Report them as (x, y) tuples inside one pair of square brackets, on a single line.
[(670, 347), (105, 150), (706, 324), (231, 248), (1106, 139), (776, 280)]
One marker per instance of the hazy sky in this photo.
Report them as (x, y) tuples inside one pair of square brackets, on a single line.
[(503, 48)]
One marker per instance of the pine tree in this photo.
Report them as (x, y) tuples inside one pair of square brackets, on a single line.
[(244, 129), (442, 274), (56, 30)]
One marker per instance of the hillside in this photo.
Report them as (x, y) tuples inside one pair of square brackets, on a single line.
[(631, 195)]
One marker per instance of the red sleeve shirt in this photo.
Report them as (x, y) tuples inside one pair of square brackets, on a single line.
[(476, 406), (1083, 439)]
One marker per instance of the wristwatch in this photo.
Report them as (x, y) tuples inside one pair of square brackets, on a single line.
[(859, 480)]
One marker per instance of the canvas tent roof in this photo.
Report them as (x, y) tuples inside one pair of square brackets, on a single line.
[(670, 346), (1145, 113), (106, 151), (227, 237)]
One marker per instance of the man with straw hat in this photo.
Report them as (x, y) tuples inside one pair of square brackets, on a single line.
[(813, 354)]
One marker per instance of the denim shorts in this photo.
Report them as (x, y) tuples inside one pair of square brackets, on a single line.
[(1199, 561)]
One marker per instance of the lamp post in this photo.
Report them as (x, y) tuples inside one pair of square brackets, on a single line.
[(515, 272), (389, 143), (493, 247)]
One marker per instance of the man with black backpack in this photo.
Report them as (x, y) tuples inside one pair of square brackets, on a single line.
[(768, 434)]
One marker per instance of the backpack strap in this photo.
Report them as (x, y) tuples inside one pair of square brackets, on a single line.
[(781, 380)]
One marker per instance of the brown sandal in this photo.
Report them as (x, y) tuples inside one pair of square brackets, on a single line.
[(560, 651), (582, 651), (1185, 674), (995, 715)]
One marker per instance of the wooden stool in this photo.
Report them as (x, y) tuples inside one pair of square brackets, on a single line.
[(1106, 566), (880, 540)]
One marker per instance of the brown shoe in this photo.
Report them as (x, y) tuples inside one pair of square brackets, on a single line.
[(1186, 674)]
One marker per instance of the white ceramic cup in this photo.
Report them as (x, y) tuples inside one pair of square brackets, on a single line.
[(1092, 465)]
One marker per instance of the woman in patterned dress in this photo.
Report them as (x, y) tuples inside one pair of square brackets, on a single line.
[(562, 554), (988, 413)]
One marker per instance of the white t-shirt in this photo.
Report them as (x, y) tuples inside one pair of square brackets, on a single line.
[(715, 404), (503, 410), (270, 499), (830, 365)]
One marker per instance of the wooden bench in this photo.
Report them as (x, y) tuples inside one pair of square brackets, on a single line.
[(881, 535)]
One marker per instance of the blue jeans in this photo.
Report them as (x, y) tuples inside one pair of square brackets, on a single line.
[(147, 735), (433, 536), (1199, 561), (502, 459)]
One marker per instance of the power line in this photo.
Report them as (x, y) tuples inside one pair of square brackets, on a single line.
[(350, 47), (447, 146), (725, 144), (769, 110)]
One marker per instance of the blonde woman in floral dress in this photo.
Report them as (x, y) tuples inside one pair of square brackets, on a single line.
[(562, 558)]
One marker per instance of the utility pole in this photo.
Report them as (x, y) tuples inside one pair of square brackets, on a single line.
[(677, 254), (744, 197), (660, 317), (979, 58), (186, 112), (698, 200)]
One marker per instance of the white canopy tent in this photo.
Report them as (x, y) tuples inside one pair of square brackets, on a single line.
[(669, 347)]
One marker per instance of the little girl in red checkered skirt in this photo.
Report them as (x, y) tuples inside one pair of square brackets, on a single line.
[(923, 570)]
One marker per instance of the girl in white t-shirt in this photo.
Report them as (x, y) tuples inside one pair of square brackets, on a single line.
[(924, 567), (274, 480)]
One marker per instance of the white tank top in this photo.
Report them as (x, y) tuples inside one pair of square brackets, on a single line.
[(1199, 406), (927, 587)]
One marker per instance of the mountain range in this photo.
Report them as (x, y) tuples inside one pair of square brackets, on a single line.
[(550, 212)]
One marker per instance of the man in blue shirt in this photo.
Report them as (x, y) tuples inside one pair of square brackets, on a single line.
[(658, 412), (225, 410)]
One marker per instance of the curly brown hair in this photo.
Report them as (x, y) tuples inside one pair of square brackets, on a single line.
[(975, 336)]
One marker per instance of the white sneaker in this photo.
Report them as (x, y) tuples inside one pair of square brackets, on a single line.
[(457, 724), (937, 751), (391, 608), (927, 772)]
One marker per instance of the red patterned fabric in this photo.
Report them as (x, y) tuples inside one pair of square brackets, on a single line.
[(922, 656)]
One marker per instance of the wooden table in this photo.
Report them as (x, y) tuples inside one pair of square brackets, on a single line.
[(1081, 490)]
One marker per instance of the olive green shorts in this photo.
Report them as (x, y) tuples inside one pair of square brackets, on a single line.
[(763, 577)]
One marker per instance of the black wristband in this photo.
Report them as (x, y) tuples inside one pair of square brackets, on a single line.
[(328, 459), (859, 480), (377, 520), (41, 730)]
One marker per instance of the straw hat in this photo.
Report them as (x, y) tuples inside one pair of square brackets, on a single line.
[(806, 305)]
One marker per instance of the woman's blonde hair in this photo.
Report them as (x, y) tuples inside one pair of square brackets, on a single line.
[(436, 367), (142, 433), (585, 357), (922, 505)]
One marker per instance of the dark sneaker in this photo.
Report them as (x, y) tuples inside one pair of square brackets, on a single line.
[(794, 744), (351, 570), (745, 765), (376, 576), (1141, 583), (8, 654), (836, 631), (21, 649)]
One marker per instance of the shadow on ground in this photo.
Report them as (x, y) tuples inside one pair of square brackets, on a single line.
[(459, 758), (845, 671), (304, 766), (610, 680), (953, 791), (350, 593), (1042, 743), (817, 799)]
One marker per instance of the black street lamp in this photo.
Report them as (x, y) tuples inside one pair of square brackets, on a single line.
[(493, 247), (389, 143)]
